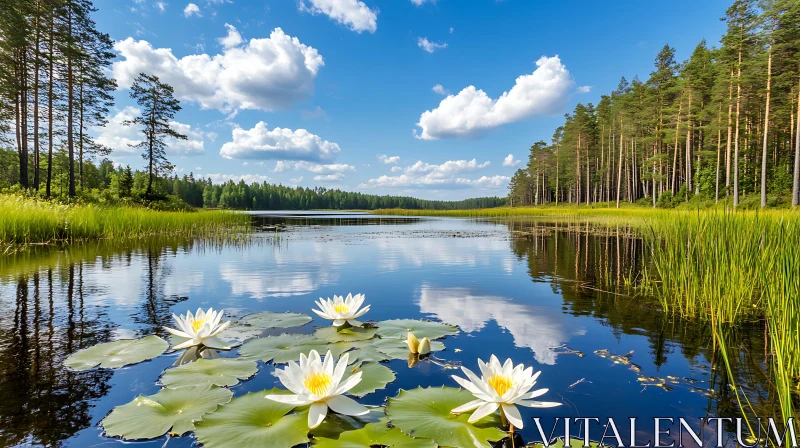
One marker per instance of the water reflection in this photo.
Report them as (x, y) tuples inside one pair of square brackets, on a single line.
[(537, 328), (538, 285)]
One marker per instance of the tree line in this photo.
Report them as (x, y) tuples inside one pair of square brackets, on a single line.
[(723, 124)]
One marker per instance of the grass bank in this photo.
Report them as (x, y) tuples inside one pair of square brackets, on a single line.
[(26, 221)]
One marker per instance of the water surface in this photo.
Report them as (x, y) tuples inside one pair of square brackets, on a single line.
[(550, 298)]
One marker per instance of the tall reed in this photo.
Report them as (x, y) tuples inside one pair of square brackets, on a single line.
[(30, 221)]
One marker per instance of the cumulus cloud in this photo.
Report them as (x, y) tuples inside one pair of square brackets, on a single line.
[(396, 169), (510, 161), (316, 168), (429, 46), (161, 6), (262, 74), (262, 143), (472, 112), (446, 175), (329, 177), (438, 88), (119, 137), (191, 10), (353, 14), (233, 39), (218, 178), (387, 159), (584, 89)]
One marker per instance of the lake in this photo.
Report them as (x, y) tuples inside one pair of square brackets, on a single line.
[(550, 295)]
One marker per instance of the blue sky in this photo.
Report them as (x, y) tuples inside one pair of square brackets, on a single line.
[(315, 92)]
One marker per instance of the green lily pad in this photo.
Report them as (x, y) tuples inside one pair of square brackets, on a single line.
[(283, 348), (151, 416), (373, 434), (426, 413), (238, 333), (275, 320), (374, 376), (399, 329), (253, 421), (397, 349), (366, 352), (350, 334), (222, 372), (112, 355)]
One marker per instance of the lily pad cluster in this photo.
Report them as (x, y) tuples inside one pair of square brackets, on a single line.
[(196, 395)]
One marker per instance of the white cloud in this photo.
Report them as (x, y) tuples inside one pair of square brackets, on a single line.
[(119, 137), (387, 159), (510, 161), (472, 112), (329, 177), (354, 14), (218, 178), (233, 39), (396, 169), (438, 88), (421, 2), (191, 10), (262, 74), (262, 143), (161, 6), (429, 46), (296, 180), (446, 175), (452, 30), (538, 328), (584, 89), (316, 168)]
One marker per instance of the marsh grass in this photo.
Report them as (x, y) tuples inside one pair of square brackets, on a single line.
[(26, 221)]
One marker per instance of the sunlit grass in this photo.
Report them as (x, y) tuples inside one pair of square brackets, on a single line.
[(25, 221)]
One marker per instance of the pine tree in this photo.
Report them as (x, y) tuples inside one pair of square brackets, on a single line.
[(158, 108)]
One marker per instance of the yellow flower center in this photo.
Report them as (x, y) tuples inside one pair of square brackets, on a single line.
[(318, 383), (340, 308), (500, 383), (198, 324)]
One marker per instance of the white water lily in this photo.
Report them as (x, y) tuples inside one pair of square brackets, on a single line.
[(319, 383), (201, 328), (341, 310), (418, 347), (501, 387)]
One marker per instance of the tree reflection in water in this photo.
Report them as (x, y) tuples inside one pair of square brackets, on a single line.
[(595, 269)]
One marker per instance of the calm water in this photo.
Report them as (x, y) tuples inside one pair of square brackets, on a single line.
[(535, 298)]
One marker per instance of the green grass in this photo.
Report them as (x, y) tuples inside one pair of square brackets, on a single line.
[(26, 221)]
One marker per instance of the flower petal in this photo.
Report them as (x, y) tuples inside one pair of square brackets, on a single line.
[(186, 344), (346, 406), (482, 411), (348, 384), (512, 414), (316, 414), (538, 404), (178, 333), (295, 400), (467, 406), (339, 322)]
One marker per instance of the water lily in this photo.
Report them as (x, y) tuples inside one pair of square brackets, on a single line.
[(202, 328), (501, 387), (341, 310), (319, 383), (418, 347)]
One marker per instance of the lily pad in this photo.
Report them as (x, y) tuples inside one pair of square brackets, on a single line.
[(374, 376), (366, 352), (397, 349), (399, 329), (283, 348), (426, 413), (253, 421), (373, 434), (112, 355), (275, 320), (350, 334), (222, 372), (151, 416), (238, 333)]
